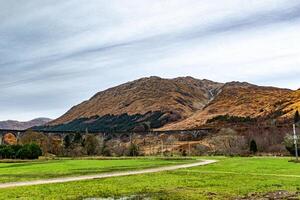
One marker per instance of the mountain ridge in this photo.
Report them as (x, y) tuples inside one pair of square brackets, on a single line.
[(22, 125), (176, 104)]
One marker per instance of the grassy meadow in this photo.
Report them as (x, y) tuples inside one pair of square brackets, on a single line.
[(228, 179), (45, 169)]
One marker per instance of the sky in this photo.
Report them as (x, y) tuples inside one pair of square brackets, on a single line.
[(55, 54)]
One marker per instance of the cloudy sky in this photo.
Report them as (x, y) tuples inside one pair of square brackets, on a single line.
[(55, 54)]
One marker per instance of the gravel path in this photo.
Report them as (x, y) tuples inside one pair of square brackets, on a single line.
[(106, 175)]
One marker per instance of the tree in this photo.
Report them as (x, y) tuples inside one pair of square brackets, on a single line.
[(91, 144), (133, 150), (253, 146), (296, 117), (55, 145), (77, 138), (67, 141), (37, 138), (171, 140), (105, 151)]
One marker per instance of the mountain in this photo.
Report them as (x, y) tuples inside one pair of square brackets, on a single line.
[(150, 102), (182, 96), (16, 125), (174, 104)]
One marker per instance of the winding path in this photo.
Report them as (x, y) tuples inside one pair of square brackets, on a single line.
[(106, 175)]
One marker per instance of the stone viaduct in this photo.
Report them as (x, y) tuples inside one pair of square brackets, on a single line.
[(196, 133)]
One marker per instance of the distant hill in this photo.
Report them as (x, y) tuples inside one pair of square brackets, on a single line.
[(172, 104), (16, 125)]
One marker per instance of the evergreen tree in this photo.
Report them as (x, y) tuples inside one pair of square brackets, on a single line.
[(67, 141), (296, 117), (253, 146), (77, 138)]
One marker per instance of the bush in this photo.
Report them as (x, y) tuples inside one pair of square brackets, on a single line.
[(289, 144), (201, 150), (24, 152), (184, 153), (6, 152), (28, 151)]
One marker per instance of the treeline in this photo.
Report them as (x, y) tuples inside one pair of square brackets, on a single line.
[(27, 151), (115, 123), (33, 144), (231, 119), (94, 145)]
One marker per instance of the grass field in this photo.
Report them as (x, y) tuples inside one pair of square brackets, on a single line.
[(227, 179), (24, 171)]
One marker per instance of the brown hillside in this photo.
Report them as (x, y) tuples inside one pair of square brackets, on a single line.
[(184, 96), (290, 104), (237, 99)]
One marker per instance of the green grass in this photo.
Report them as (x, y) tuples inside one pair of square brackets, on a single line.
[(33, 170), (229, 178)]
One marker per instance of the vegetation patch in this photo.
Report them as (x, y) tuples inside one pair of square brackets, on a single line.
[(231, 119), (112, 123), (230, 178), (27, 151), (281, 194)]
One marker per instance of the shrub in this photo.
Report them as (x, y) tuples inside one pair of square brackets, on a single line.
[(201, 149), (29, 151), (184, 153), (24, 152), (6, 152), (289, 144)]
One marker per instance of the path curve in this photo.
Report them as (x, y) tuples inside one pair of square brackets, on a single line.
[(106, 175)]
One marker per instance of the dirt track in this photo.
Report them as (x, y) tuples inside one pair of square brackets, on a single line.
[(105, 175)]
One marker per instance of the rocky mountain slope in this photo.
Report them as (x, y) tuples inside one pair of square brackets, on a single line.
[(173, 104), (16, 125), (179, 97), (238, 99)]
